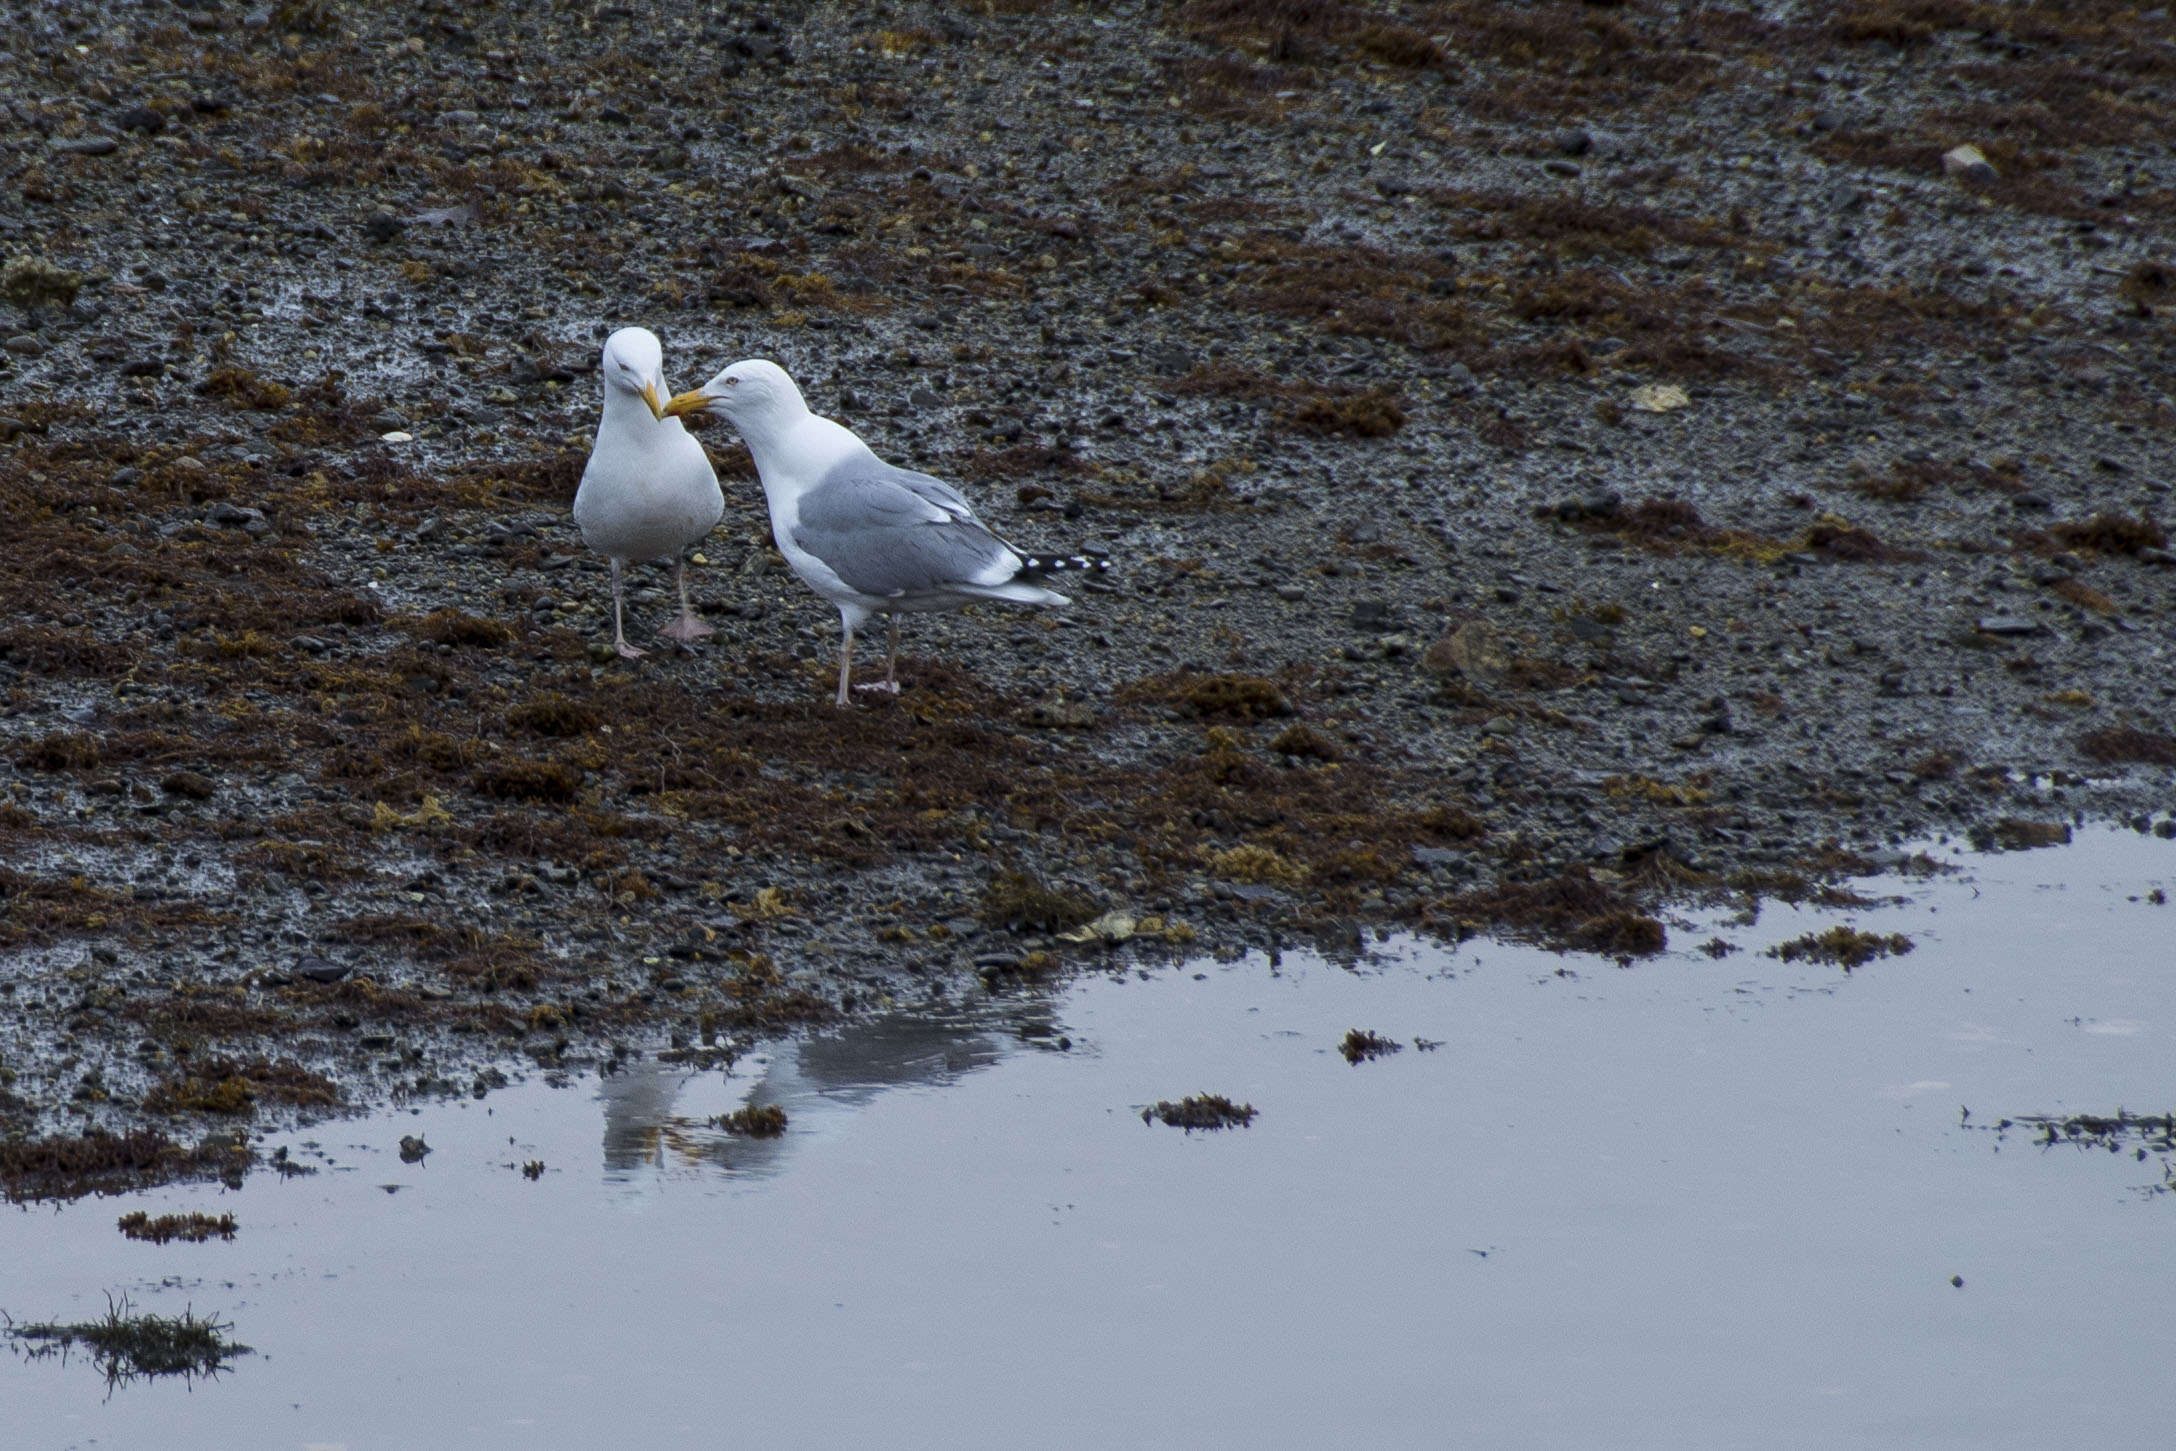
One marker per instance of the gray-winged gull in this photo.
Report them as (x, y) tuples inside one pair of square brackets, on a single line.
[(648, 490), (869, 537)]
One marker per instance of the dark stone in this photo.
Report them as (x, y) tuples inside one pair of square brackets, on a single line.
[(193, 784), (141, 118), (322, 969), (383, 227)]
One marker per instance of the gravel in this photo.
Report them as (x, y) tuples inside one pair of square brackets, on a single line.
[(1336, 333)]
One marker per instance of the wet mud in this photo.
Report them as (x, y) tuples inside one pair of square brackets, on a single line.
[(1557, 462)]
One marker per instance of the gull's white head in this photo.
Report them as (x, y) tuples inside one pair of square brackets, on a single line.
[(753, 391), (634, 362)]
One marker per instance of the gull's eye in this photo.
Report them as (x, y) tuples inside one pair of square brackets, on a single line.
[(731, 381)]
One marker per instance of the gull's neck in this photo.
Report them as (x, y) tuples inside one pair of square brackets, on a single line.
[(793, 449), (627, 417)]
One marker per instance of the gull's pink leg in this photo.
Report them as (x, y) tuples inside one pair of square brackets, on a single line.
[(846, 662), (890, 683), (687, 627), (619, 635)]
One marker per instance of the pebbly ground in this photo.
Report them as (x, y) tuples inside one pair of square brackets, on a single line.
[(1556, 460)]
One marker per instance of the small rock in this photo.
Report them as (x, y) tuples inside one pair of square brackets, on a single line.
[(85, 145), (1573, 142), (1561, 168), (1969, 164), (382, 227), (25, 345), (1474, 650), (1373, 615), (1659, 398), (193, 784), (232, 516), (2005, 625), (322, 969), (2031, 499), (141, 118)]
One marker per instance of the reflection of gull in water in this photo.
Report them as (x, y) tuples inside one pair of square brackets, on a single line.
[(843, 1067)]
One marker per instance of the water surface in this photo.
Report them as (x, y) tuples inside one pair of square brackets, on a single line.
[(1694, 1203)]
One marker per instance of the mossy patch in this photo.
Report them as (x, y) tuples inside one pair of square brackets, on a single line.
[(1847, 947), (224, 1087), (756, 1121), (1360, 1045), (68, 1167), (1019, 902), (2115, 745), (1228, 697), (192, 1228), (126, 1345), (1205, 1111)]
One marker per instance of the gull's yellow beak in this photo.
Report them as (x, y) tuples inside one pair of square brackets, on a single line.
[(649, 396), (695, 400)]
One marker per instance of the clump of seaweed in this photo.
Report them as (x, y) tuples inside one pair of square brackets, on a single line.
[(31, 282), (1847, 947), (1373, 414), (1232, 697), (456, 627), (193, 1227), (1361, 1045), (1205, 1111), (221, 1086), (1018, 902), (69, 1167), (2117, 745), (1570, 907), (126, 1345), (2016, 834), (2113, 534), (756, 1121), (1304, 740), (555, 715), (529, 781)]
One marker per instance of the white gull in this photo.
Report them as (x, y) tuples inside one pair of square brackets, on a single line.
[(648, 491), (867, 536)]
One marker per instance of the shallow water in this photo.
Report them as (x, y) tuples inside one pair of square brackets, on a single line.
[(1694, 1203)]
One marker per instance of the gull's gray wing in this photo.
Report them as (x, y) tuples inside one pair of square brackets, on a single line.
[(889, 532)]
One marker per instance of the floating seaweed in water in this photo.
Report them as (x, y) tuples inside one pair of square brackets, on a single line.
[(127, 1346), (1847, 947), (193, 1227), (1201, 1111), (757, 1121), (1361, 1044), (2146, 1136)]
